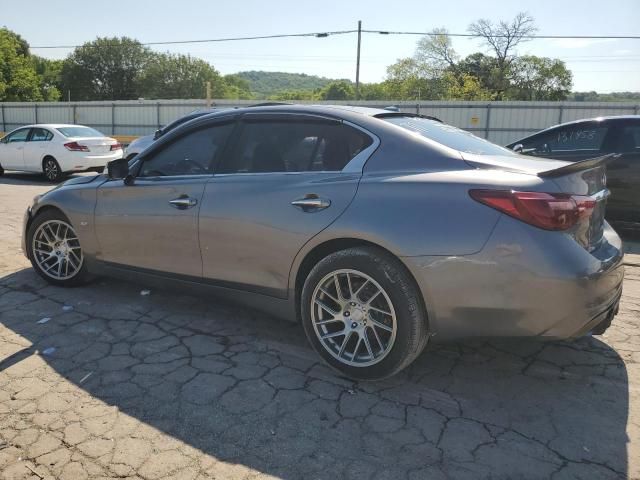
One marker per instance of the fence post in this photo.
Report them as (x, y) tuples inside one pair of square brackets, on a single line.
[(418, 108), (113, 119), (486, 126), (36, 112), (158, 115), (4, 123), (561, 109), (637, 111), (75, 114)]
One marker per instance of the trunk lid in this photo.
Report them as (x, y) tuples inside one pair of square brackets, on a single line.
[(586, 178), (100, 145)]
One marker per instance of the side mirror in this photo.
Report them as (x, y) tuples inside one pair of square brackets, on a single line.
[(518, 148), (117, 169), (157, 134)]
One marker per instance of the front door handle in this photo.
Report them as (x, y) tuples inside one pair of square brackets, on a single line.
[(183, 202), (311, 203)]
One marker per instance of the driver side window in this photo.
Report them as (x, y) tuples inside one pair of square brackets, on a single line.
[(191, 154)]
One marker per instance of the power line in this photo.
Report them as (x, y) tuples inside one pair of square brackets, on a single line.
[(226, 39), (529, 37), (344, 32)]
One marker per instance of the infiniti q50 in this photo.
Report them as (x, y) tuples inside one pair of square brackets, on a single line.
[(376, 230)]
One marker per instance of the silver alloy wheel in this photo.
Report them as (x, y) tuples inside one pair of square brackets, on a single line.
[(56, 250), (50, 169), (353, 318)]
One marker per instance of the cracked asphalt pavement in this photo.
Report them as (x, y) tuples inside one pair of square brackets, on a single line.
[(122, 385)]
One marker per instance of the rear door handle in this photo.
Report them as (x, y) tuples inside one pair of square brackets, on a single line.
[(311, 203), (183, 202)]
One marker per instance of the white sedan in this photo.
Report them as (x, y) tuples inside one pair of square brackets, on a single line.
[(56, 149)]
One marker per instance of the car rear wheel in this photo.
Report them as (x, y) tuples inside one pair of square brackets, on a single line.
[(55, 251), (363, 314), (51, 169)]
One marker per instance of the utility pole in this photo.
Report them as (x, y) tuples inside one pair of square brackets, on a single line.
[(208, 94), (358, 61)]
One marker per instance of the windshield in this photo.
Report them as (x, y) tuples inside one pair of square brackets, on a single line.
[(79, 132), (449, 136)]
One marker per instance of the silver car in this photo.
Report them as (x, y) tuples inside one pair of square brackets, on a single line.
[(376, 230)]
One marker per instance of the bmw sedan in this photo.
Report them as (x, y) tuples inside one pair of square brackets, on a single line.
[(56, 149), (377, 230)]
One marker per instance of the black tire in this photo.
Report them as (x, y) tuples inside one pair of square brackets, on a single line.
[(411, 321), (82, 277), (51, 170)]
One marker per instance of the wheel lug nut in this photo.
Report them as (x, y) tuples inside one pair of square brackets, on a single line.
[(347, 313), (354, 325)]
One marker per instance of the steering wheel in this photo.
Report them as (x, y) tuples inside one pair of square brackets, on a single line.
[(188, 166)]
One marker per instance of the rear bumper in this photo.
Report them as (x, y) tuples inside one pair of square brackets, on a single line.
[(81, 163), (525, 282)]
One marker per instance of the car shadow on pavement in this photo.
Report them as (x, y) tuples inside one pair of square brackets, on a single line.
[(23, 178), (241, 392)]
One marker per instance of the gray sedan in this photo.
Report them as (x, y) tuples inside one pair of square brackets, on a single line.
[(376, 230)]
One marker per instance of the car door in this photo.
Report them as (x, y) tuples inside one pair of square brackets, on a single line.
[(623, 174), (151, 223), (282, 183), (12, 149), (36, 148)]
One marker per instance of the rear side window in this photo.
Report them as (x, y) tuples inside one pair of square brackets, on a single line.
[(282, 146), (575, 138), (449, 136), (40, 135), (190, 154), (629, 140)]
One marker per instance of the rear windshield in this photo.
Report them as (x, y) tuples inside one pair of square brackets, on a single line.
[(79, 132), (449, 136)]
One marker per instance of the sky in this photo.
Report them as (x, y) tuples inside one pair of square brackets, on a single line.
[(600, 65)]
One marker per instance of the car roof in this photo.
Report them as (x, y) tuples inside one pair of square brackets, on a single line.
[(51, 125), (594, 119)]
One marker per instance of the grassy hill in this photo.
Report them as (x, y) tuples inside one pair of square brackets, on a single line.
[(263, 84)]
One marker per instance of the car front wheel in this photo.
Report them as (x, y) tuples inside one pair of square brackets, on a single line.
[(55, 251), (363, 314)]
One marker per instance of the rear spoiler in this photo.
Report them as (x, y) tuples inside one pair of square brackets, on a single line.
[(579, 166)]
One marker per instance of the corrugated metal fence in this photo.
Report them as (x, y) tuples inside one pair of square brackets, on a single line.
[(500, 122)]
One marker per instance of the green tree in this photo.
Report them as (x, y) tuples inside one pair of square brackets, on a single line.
[(49, 72), (237, 87), (502, 39), (338, 90), (464, 87), (539, 78), (105, 69), (19, 81), (292, 95), (179, 76)]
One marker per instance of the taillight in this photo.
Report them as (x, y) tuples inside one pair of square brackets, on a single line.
[(76, 147), (550, 211), (116, 146)]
